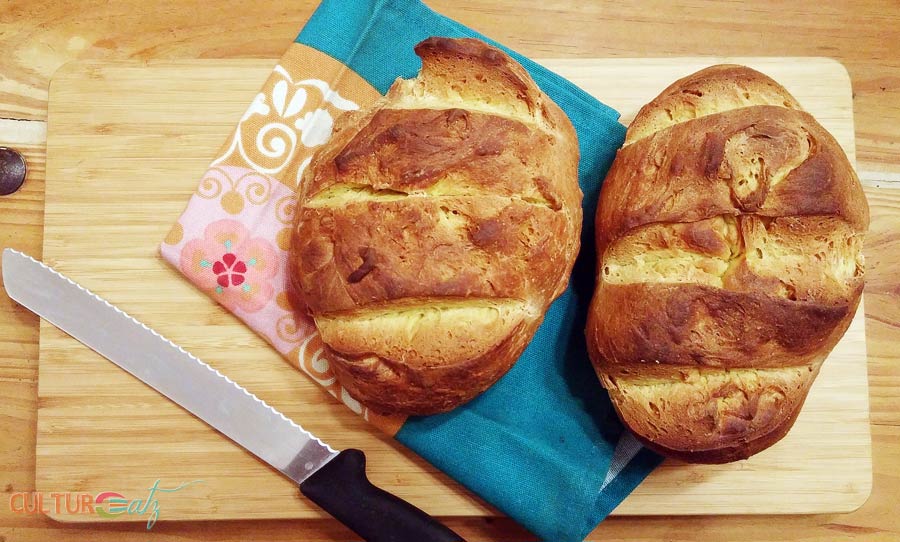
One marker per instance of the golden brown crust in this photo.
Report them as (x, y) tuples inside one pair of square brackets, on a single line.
[(729, 236), (361, 254), (672, 326), (711, 90), (724, 450), (397, 386), (473, 152), (434, 229), (765, 160)]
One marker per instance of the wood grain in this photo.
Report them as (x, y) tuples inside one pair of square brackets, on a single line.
[(864, 36), (38, 37), (119, 176)]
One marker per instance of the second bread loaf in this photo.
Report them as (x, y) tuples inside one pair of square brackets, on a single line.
[(729, 237)]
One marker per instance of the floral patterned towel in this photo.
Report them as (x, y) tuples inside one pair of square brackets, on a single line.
[(543, 444), (232, 239)]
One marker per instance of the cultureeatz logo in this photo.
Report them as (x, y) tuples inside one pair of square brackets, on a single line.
[(106, 504)]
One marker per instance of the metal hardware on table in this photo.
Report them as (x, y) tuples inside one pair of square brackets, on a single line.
[(12, 170)]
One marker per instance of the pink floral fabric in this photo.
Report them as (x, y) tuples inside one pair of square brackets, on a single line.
[(232, 241), (232, 267)]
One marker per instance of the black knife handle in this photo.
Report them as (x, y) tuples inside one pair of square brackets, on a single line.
[(342, 489)]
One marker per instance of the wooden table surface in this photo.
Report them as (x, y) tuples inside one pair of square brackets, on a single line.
[(36, 38)]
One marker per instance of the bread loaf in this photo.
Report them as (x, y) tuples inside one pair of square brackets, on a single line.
[(729, 235), (434, 229)]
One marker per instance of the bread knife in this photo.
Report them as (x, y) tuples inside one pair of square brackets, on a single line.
[(336, 481)]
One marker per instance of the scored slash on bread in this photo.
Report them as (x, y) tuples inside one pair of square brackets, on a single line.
[(434, 229), (729, 237)]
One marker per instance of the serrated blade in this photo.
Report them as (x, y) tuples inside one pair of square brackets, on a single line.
[(166, 367)]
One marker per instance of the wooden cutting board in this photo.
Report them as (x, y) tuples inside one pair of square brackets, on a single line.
[(126, 144)]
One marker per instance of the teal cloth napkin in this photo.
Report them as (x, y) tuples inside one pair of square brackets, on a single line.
[(543, 444)]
